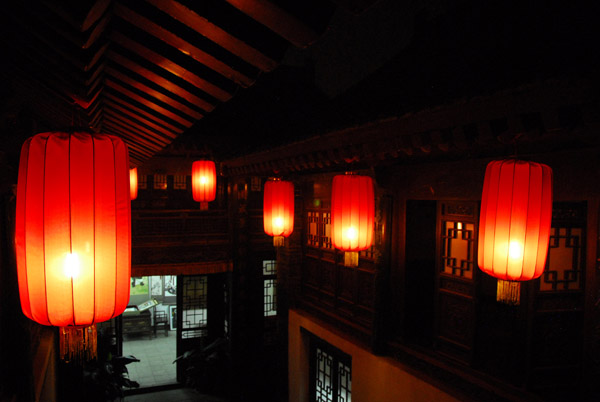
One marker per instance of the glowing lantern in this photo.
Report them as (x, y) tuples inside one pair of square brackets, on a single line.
[(204, 182), (278, 210), (352, 215), (73, 233), (133, 185), (514, 227)]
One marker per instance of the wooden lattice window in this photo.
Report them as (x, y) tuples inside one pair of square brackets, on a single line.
[(457, 248), (142, 182), (160, 182), (331, 373), (179, 182), (319, 229), (270, 288)]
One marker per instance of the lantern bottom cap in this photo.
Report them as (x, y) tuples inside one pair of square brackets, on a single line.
[(278, 241)]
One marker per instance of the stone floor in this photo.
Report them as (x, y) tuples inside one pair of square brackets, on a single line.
[(156, 359), (174, 395)]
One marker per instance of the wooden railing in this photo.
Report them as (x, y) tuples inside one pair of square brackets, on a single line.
[(179, 236)]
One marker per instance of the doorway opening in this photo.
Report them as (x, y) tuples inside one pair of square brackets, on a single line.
[(149, 330)]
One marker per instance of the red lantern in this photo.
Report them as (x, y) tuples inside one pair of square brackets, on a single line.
[(352, 215), (515, 219), (278, 210), (73, 228), (204, 182), (133, 183)]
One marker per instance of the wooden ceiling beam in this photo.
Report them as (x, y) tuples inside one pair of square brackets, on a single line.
[(163, 82), (116, 124), (183, 46), (171, 67), (132, 142), (119, 108), (147, 132), (151, 105), (122, 102), (221, 37), (145, 137), (154, 93), (277, 20)]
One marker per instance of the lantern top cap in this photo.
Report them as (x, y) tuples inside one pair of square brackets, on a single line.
[(517, 161)]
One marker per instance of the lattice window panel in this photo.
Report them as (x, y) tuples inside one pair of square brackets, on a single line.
[(194, 306), (458, 242), (160, 182), (332, 375), (179, 182), (326, 230), (142, 182), (226, 308), (313, 228), (563, 269), (270, 288), (344, 382), (324, 381)]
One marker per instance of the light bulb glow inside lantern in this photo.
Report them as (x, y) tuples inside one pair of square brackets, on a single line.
[(203, 180), (72, 266), (278, 224), (351, 234), (515, 250)]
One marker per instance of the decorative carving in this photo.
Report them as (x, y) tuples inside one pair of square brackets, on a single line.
[(456, 318), (458, 209)]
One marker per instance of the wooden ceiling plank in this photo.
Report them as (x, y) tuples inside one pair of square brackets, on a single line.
[(127, 132), (221, 37), (157, 79), (142, 112), (157, 108), (171, 67), (155, 94), (147, 122), (183, 46), (277, 20), (136, 134), (131, 141), (144, 131)]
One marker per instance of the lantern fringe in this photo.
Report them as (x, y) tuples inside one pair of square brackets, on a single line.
[(278, 241), (78, 343), (204, 206), (508, 292), (351, 258)]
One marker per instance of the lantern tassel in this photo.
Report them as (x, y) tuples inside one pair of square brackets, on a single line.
[(278, 241), (351, 258), (204, 206), (508, 292), (78, 343)]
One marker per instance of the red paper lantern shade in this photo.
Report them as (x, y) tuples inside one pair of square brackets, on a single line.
[(73, 228), (278, 209), (352, 214), (516, 213), (204, 182), (133, 183)]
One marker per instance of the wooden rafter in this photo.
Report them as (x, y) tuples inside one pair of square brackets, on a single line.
[(188, 49)]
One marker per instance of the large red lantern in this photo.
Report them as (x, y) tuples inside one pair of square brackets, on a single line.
[(133, 183), (73, 230), (515, 219), (204, 182), (278, 209), (352, 215)]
